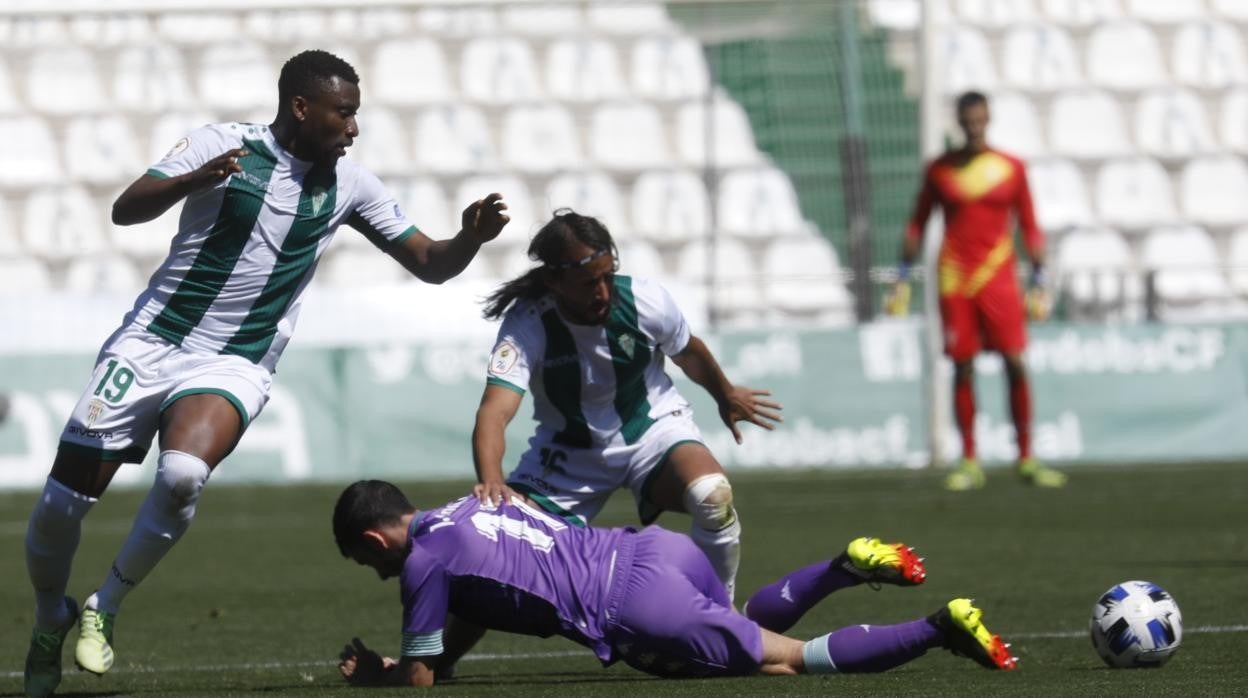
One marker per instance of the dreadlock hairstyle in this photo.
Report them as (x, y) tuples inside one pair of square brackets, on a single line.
[(548, 248), (309, 71), (364, 505)]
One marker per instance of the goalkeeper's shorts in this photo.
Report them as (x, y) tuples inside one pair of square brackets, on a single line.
[(993, 319)]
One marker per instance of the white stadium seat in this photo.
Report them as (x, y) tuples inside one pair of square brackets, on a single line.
[(236, 76), (1171, 123), (1239, 260), (1236, 10), (498, 71), (62, 223), (1040, 57), (1015, 126), (198, 27), (1134, 193), (541, 19), (671, 206), (151, 78), (1164, 11), (146, 241), (540, 138), (102, 149), (584, 70), (24, 276), (425, 204), (30, 158), (639, 258), (277, 26), (592, 194), (997, 14), (895, 15), (628, 136), (33, 31), (354, 267), (1215, 190), (8, 97), (1233, 120), (966, 60), (102, 273), (803, 276), (451, 21), (1186, 264), (64, 81), (1087, 124), (382, 145), (411, 71), (733, 144), (453, 138), (111, 31), (1081, 13), (1124, 56), (733, 288), (633, 18), (10, 244), (1209, 55), (669, 68), (1058, 193), (515, 193), (169, 128), (758, 203), (1095, 267)]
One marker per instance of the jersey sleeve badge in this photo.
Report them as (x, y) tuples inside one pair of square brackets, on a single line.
[(503, 359)]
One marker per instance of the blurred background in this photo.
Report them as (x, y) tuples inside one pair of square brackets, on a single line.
[(759, 158)]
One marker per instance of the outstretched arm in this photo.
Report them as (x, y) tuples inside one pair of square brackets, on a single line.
[(149, 196), (498, 406), (436, 261), (736, 403)]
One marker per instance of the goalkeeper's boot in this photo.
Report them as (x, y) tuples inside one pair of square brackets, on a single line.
[(94, 652), (1035, 473), (966, 475), (43, 659), (884, 563), (966, 636)]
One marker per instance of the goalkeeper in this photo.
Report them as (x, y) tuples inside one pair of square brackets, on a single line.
[(981, 304)]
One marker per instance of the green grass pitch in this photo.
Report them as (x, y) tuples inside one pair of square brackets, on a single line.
[(255, 600)]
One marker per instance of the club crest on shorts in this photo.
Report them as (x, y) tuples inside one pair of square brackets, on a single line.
[(503, 359), (94, 409)]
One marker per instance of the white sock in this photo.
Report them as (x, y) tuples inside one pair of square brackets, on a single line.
[(723, 549), (51, 539), (161, 521)]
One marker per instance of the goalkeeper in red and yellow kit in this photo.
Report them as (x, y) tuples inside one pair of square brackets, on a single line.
[(981, 304)]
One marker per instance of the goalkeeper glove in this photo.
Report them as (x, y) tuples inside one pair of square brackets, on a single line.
[(1038, 303), (897, 302)]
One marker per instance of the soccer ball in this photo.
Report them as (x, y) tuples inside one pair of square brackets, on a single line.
[(1136, 624)]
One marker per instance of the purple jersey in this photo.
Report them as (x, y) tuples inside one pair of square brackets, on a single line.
[(512, 568)]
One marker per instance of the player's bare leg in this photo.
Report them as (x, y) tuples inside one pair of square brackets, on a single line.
[(1027, 467), (693, 482), (196, 433), (966, 475)]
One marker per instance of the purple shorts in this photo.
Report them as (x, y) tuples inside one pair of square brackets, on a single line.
[(675, 618)]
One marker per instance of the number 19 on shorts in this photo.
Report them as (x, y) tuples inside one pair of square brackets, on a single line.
[(116, 381)]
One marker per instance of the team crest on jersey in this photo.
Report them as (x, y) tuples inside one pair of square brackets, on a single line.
[(628, 345), (94, 409), (178, 147), (503, 359), (319, 195)]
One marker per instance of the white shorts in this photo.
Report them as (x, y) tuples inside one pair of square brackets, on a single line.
[(575, 483), (137, 375)]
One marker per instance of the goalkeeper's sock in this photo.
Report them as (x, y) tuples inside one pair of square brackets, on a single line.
[(1020, 410), (780, 604), (870, 648), (964, 413)]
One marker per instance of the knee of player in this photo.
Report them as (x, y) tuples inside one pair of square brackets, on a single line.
[(709, 501), (181, 478)]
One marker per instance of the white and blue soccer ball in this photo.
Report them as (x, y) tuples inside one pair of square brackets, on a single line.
[(1136, 624)]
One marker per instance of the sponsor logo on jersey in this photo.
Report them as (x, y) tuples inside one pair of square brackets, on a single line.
[(178, 147), (503, 359)]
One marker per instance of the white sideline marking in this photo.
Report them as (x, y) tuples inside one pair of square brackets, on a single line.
[(1058, 635)]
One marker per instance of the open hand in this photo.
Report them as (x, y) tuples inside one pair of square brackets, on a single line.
[(484, 218), (493, 492), (748, 405), (217, 169)]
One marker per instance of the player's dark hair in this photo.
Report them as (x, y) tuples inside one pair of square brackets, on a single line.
[(967, 100), (309, 71), (549, 246), (364, 505)]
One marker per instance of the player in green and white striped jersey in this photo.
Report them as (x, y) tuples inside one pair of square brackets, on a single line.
[(193, 360), (591, 345)]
